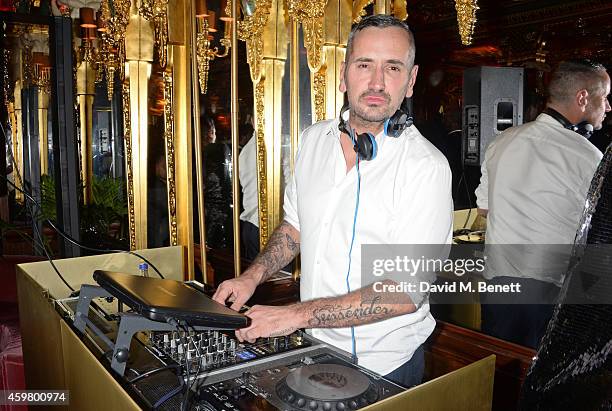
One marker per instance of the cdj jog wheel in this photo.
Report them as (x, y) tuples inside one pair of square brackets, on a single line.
[(326, 387)]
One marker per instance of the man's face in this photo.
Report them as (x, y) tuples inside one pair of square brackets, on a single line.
[(598, 105), (211, 136), (377, 76)]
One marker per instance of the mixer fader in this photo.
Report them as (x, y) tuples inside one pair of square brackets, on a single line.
[(213, 349)]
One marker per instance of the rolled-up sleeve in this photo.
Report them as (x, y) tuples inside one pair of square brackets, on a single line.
[(290, 203)]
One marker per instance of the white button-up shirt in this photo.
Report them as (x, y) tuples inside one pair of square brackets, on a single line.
[(535, 178), (405, 198), (247, 166)]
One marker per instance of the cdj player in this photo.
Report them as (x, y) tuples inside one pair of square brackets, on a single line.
[(204, 368)]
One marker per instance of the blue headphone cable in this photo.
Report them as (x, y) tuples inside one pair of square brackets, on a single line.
[(348, 286)]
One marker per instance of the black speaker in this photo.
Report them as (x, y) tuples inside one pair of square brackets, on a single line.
[(492, 103)]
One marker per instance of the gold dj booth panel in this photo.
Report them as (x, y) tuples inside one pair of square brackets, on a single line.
[(57, 358)]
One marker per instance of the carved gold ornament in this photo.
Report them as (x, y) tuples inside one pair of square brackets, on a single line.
[(170, 157), (359, 9), (251, 30), (466, 19), (205, 54), (310, 14), (115, 15), (127, 139), (155, 11), (262, 179)]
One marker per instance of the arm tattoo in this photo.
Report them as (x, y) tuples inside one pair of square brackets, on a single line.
[(363, 306), (338, 315), (282, 247)]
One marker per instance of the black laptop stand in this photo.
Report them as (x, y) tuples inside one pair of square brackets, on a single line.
[(129, 324)]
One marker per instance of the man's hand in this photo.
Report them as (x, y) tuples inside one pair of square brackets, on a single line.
[(237, 291), (269, 321)]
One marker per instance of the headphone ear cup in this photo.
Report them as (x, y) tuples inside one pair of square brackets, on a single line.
[(584, 128), (399, 121), (366, 147), (396, 124)]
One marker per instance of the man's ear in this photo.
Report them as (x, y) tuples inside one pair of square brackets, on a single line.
[(412, 80), (582, 99), (342, 86)]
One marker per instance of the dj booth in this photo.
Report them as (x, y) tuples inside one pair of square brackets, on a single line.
[(112, 356)]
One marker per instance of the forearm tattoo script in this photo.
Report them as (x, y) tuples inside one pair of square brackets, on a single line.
[(337, 315)]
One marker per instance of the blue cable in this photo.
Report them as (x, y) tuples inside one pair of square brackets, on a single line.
[(348, 286)]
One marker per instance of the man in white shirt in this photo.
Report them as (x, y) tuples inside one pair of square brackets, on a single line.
[(249, 218), (535, 178), (404, 196)]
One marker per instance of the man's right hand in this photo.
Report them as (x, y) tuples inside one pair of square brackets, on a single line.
[(237, 291)]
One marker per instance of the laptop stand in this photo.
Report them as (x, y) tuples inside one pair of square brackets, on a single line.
[(129, 324)]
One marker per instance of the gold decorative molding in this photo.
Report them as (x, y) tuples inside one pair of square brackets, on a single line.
[(127, 139), (262, 179), (359, 9), (251, 31), (156, 11), (6, 96), (310, 14), (319, 87), (170, 157), (111, 47), (28, 73)]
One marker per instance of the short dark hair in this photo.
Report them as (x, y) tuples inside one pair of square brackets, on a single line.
[(381, 21), (573, 75)]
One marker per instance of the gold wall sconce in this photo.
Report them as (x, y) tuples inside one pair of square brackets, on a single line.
[(205, 24)]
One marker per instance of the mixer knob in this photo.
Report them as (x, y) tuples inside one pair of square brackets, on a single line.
[(340, 406), (313, 405), (353, 404), (301, 402), (327, 406)]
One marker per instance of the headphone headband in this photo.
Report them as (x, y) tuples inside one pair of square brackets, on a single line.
[(584, 128)]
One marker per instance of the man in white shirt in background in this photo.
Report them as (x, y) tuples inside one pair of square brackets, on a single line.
[(404, 198), (249, 218), (535, 178)]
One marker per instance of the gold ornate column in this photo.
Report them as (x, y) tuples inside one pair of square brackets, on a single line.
[(138, 55), (85, 92), (266, 34), (179, 69)]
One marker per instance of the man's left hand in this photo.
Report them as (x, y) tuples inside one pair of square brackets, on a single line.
[(270, 321)]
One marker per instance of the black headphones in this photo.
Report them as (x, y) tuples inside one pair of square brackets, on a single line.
[(584, 128), (364, 144)]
